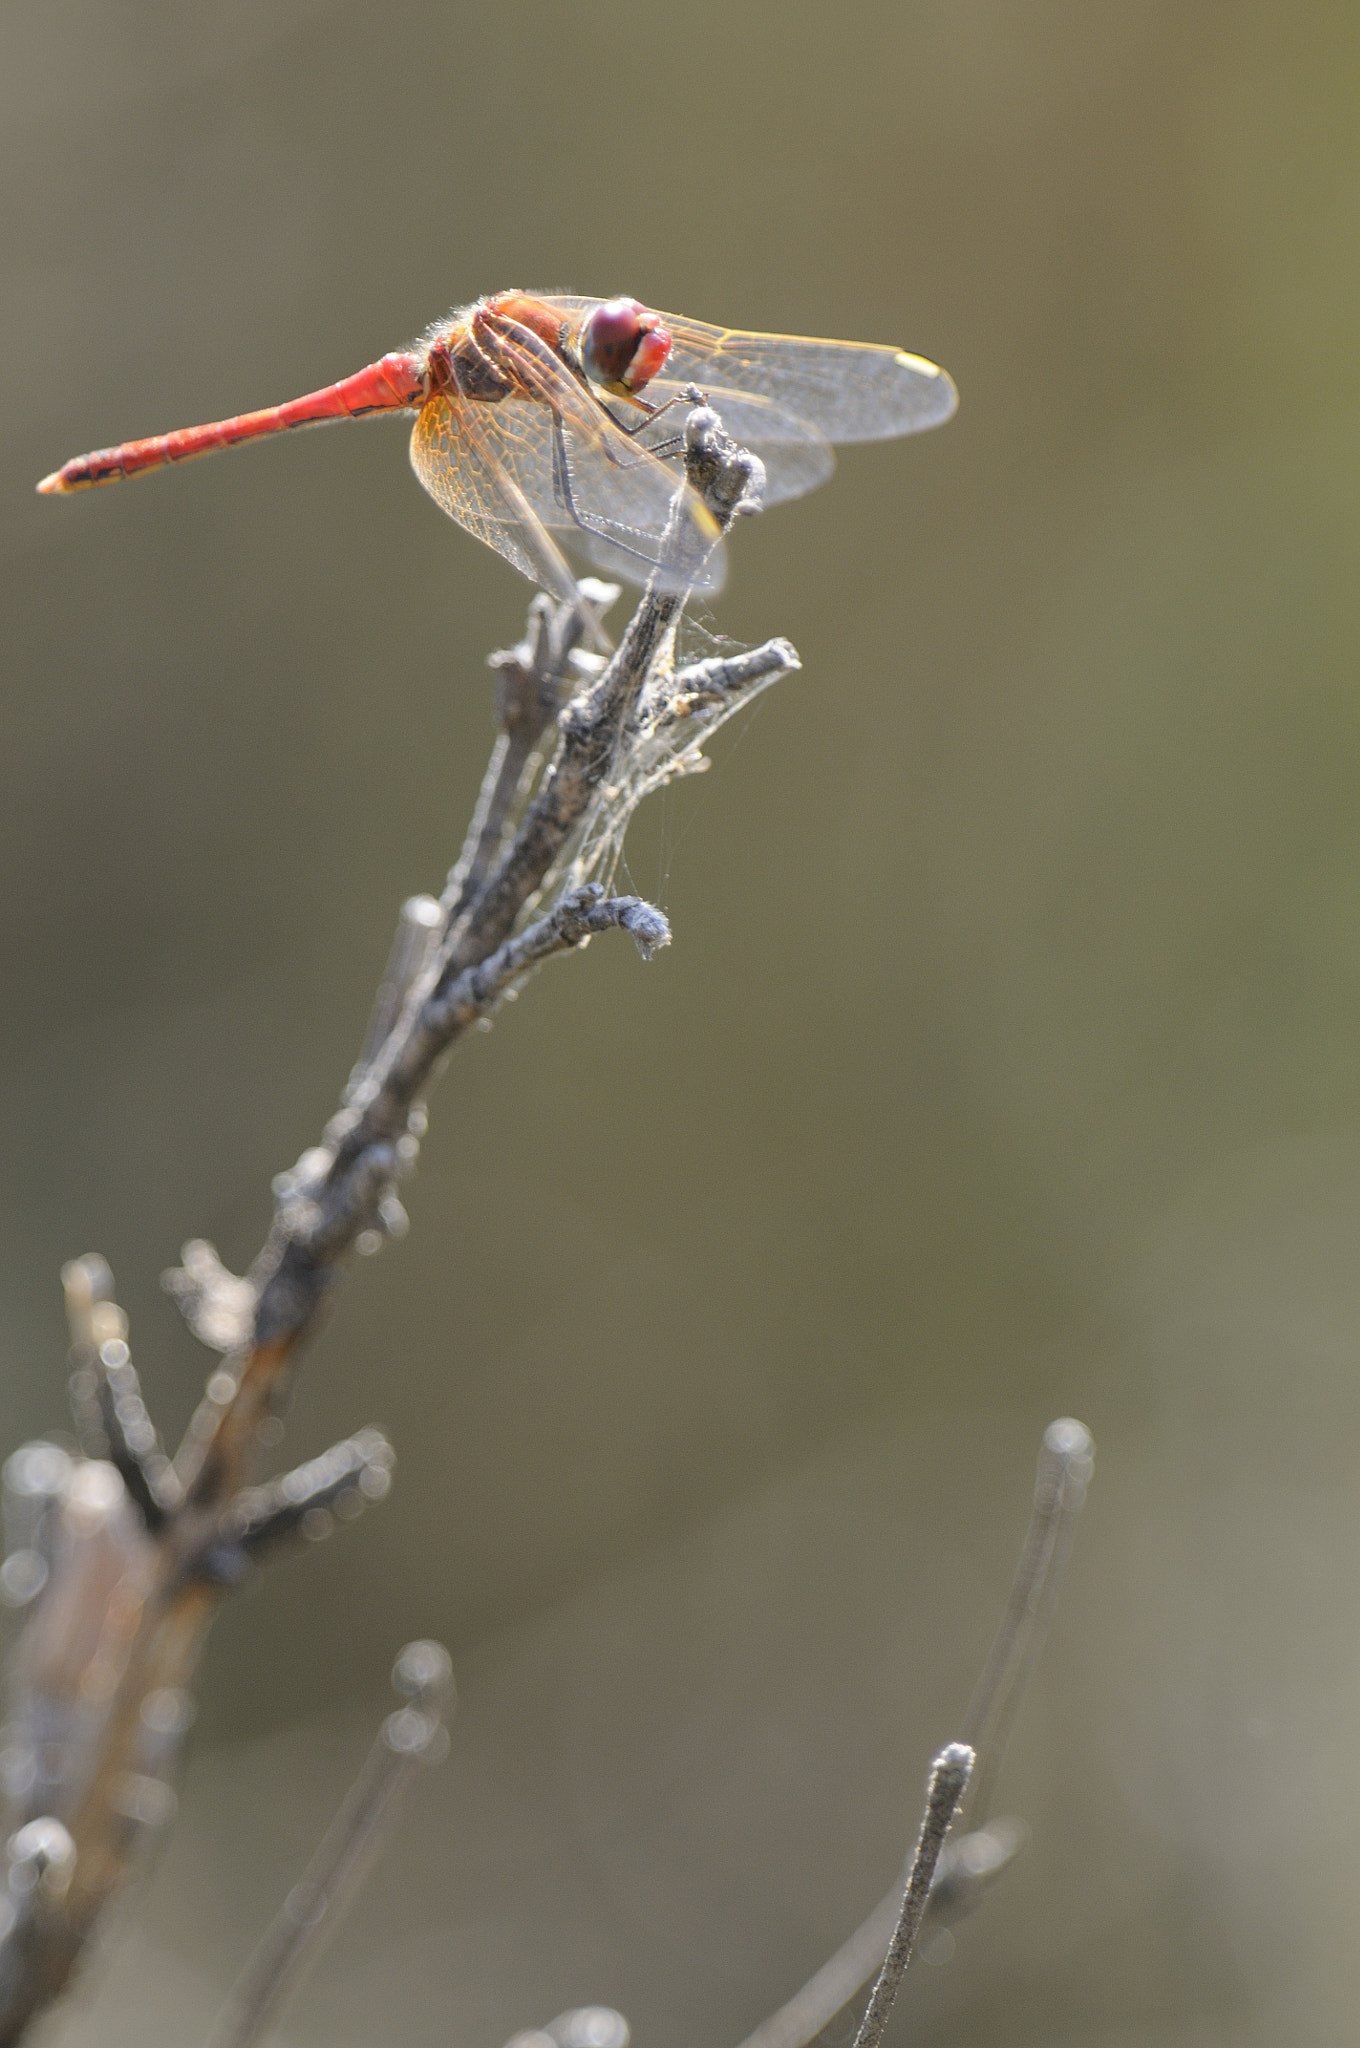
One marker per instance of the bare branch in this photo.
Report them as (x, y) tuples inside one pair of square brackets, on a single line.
[(705, 683), (533, 680), (949, 1777), (334, 1196), (1066, 1461), (125, 1556), (106, 1398), (592, 725), (307, 1921), (969, 1863), (299, 1508)]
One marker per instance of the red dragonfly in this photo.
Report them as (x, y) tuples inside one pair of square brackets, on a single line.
[(532, 428)]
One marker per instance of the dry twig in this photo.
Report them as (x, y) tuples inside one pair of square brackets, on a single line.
[(122, 1555), (307, 1921), (949, 1776), (971, 1862)]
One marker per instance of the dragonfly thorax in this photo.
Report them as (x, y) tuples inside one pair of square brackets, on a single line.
[(455, 362)]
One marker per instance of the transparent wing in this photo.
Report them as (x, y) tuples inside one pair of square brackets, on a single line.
[(462, 473), (604, 494), (500, 470), (847, 390), (528, 482)]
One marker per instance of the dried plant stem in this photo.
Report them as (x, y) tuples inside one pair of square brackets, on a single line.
[(130, 1551), (335, 1194), (1066, 1457), (949, 1776), (408, 1739)]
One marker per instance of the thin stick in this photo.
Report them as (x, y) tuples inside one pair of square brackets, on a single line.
[(949, 1775), (309, 1916), (1066, 1457), (1065, 1462), (334, 1194), (532, 681)]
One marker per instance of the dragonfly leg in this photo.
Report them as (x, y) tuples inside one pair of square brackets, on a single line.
[(671, 446), (674, 444), (663, 450), (653, 413), (562, 491)]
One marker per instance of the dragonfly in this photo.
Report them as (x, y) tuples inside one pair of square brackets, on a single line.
[(545, 421)]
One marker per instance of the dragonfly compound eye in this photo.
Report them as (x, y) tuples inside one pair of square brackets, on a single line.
[(623, 345)]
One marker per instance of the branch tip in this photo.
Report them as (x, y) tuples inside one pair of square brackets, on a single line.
[(948, 1781), (407, 1740)]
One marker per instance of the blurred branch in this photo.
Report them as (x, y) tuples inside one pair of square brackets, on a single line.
[(1066, 1461), (970, 1863), (120, 1556), (307, 1921), (585, 2026)]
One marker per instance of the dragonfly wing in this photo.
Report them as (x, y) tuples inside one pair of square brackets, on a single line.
[(459, 465), (847, 390), (796, 456)]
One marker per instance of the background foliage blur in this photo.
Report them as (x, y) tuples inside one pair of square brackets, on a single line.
[(1005, 1064)]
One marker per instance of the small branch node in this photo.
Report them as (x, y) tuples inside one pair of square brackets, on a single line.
[(730, 479), (218, 1305)]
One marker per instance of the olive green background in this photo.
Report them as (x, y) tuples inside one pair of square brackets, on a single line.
[(1006, 1063)]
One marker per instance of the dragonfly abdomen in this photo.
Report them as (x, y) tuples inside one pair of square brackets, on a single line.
[(390, 385)]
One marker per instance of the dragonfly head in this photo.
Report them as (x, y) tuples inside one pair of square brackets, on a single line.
[(623, 346)]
